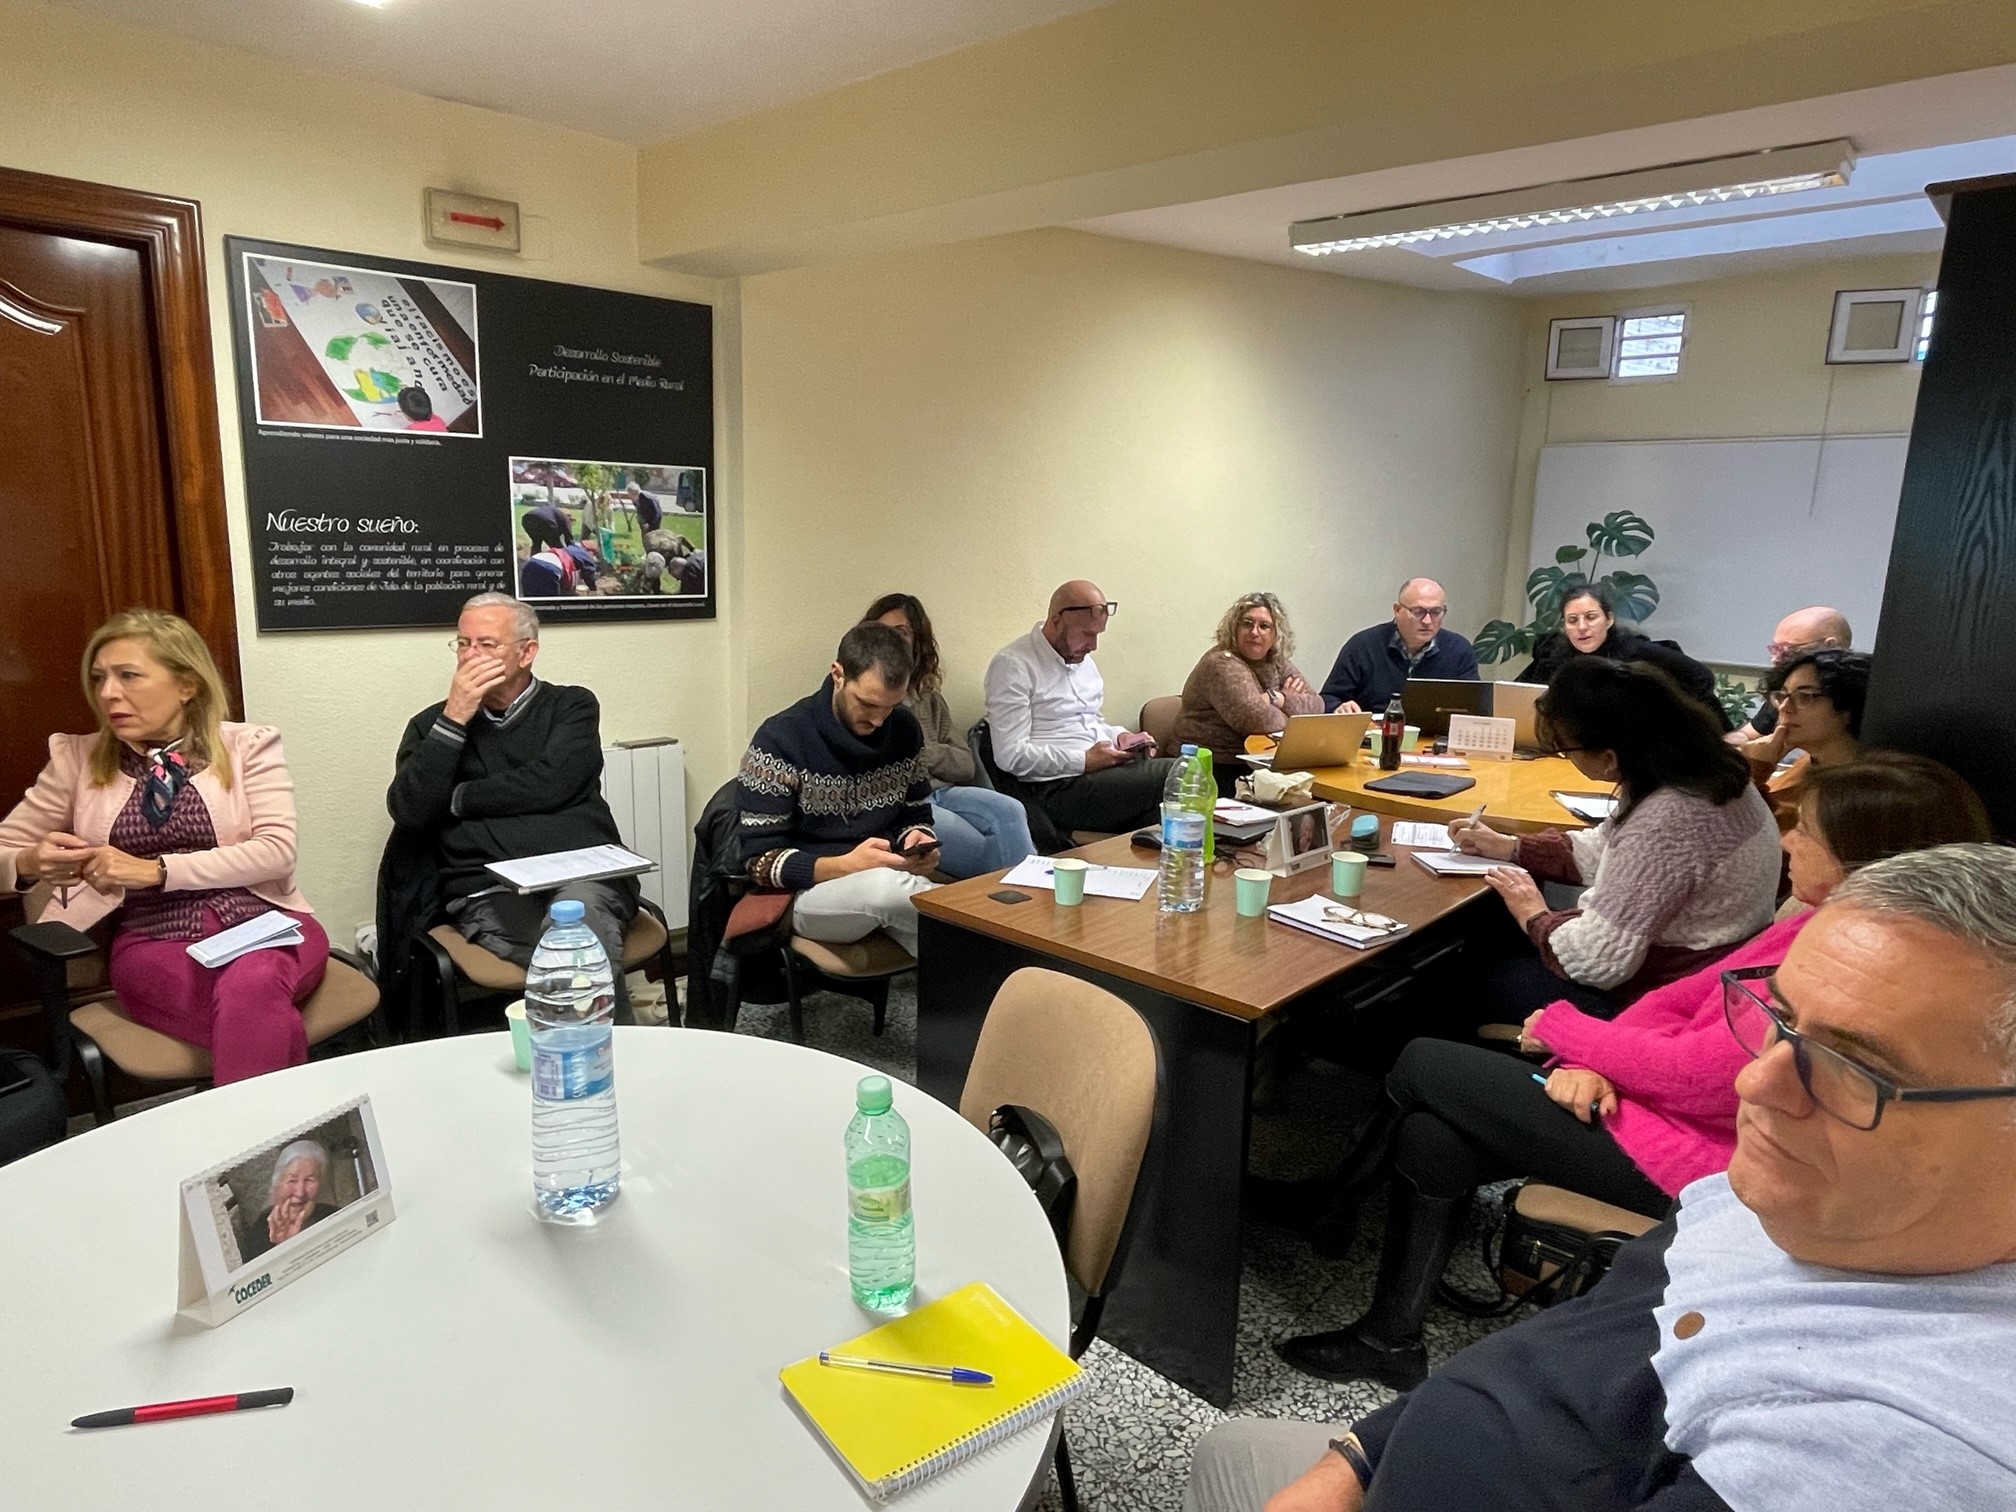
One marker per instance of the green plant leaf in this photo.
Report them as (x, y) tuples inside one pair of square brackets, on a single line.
[(1569, 554), (1738, 698), (1497, 641), (1621, 533), (1637, 595)]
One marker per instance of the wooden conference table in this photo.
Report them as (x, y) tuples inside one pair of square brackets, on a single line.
[(469, 1355), (1517, 795), (1204, 982)]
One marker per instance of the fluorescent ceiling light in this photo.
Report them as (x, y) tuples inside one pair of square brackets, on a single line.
[(1752, 175)]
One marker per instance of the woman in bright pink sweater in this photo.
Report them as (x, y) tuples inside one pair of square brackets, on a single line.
[(1632, 1108)]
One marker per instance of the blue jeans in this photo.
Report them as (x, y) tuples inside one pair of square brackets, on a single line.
[(979, 830)]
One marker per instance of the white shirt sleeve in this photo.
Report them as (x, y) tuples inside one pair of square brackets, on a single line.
[(1011, 694)]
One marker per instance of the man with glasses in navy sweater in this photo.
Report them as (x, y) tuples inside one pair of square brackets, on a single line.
[(1376, 662)]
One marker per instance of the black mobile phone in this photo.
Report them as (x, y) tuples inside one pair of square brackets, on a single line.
[(1381, 859), (1147, 839), (1005, 896), (916, 850)]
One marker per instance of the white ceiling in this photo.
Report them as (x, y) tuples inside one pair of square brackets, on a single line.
[(631, 70), (1907, 135)]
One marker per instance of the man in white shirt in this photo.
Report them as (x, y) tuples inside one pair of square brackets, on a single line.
[(1045, 718)]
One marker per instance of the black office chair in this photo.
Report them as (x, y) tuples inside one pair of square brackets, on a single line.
[(450, 974), (1043, 830)]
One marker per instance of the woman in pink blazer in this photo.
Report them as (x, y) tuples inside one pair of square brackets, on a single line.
[(1630, 1109), (176, 826)]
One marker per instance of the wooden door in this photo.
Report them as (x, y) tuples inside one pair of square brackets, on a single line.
[(111, 495)]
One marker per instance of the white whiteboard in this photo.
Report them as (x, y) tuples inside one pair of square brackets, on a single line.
[(1745, 531)]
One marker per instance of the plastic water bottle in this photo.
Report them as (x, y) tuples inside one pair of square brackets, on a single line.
[(881, 1242), (1184, 828), (570, 1005)]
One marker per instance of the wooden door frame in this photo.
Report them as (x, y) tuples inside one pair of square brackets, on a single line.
[(167, 233)]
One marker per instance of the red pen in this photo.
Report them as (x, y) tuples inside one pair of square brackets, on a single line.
[(154, 1412)]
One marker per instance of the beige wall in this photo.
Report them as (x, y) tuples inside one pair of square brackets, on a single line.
[(1754, 365), (977, 423), (273, 152)]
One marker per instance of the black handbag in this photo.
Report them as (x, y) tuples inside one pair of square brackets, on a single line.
[(32, 1111), (1035, 1148), (1536, 1262)]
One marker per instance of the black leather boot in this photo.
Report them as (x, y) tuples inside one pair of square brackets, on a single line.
[(1385, 1345)]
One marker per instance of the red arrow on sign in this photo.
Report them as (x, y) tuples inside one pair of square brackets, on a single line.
[(488, 222)]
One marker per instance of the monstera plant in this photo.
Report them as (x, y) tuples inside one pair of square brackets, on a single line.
[(1617, 535)]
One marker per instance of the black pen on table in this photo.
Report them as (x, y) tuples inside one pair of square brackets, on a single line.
[(154, 1412)]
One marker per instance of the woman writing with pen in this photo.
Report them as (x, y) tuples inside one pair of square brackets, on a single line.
[(1685, 868), (1630, 1109)]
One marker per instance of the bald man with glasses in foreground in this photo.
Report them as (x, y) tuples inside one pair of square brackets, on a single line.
[(1376, 663), (1827, 1326)]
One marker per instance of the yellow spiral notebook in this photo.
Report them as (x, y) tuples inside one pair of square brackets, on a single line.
[(897, 1431)]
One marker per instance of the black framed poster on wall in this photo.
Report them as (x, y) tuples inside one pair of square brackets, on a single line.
[(415, 434)]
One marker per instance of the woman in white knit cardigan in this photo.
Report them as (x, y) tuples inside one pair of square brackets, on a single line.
[(1686, 868)]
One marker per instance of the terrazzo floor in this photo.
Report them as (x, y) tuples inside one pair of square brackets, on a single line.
[(1133, 1433)]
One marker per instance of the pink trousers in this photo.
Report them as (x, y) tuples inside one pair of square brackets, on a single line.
[(246, 1014)]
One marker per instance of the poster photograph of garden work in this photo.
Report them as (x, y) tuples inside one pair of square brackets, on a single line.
[(584, 529)]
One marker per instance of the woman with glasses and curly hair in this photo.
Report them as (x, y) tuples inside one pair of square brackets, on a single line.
[(979, 830), (1244, 685), (176, 825)]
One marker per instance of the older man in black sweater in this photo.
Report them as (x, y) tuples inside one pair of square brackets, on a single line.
[(835, 802), (509, 766)]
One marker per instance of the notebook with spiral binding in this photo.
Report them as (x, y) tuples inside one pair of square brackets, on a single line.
[(895, 1431)]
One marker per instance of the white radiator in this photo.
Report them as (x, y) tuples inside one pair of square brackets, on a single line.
[(645, 784)]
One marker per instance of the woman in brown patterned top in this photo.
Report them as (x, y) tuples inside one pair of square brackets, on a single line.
[(1244, 685), (180, 826)]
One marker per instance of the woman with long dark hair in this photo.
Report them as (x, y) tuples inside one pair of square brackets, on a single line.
[(1685, 868), (979, 830), (1589, 628)]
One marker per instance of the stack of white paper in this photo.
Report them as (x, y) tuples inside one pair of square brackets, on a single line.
[(268, 931), (555, 869), (1128, 882), (1455, 864), (1594, 807)]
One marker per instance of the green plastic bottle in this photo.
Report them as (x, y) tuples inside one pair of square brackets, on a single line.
[(881, 1241)]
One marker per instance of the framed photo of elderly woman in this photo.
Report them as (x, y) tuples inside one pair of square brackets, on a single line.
[(268, 1216)]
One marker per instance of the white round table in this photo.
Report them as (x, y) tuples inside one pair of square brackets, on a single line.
[(469, 1356)]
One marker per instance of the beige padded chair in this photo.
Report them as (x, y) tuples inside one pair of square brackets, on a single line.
[(645, 940), (1086, 1061), (861, 968), (103, 1035), (1158, 718)]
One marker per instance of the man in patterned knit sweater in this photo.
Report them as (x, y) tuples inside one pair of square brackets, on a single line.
[(835, 802)]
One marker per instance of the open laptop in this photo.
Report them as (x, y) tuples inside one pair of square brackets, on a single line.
[(1515, 701), (1429, 701), (1317, 740)]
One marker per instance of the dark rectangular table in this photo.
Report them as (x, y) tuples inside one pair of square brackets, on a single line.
[(1206, 984)]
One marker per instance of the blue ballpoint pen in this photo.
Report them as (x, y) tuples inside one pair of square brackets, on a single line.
[(958, 1375)]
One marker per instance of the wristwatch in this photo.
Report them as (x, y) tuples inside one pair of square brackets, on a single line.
[(162, 863)]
